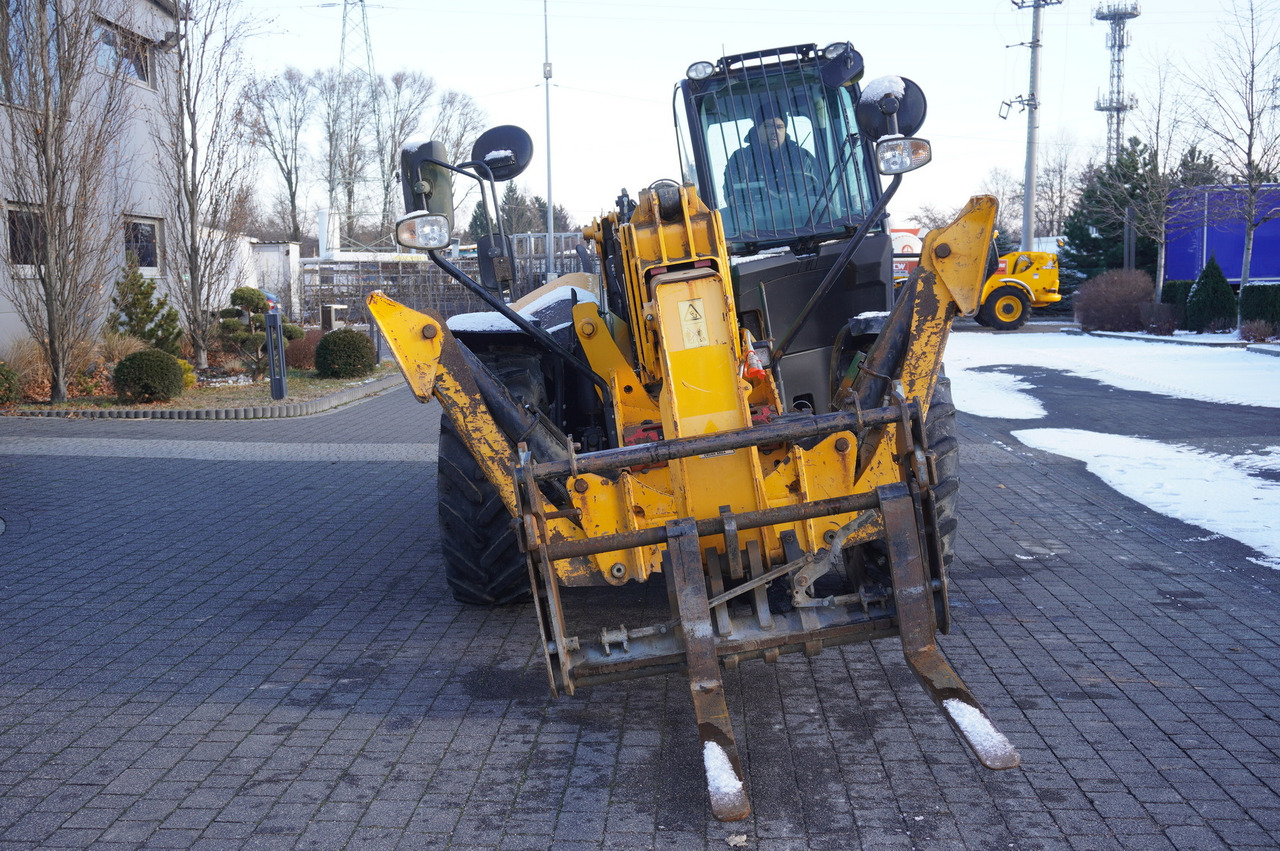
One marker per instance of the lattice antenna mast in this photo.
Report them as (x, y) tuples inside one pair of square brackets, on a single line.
[(1116, 104), (363, 97)]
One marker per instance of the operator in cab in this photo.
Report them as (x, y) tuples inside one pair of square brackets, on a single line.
[(772, 180)]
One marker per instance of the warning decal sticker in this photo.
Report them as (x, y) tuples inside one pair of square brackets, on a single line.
[(693, 323)]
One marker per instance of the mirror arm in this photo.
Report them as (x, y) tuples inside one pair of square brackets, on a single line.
[(575, 363), (877, 212)]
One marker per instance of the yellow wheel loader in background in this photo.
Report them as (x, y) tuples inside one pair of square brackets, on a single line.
[(1022, 280), (739, 408)]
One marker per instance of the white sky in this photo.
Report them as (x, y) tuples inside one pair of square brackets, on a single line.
[(1215, 492), (616, 63)]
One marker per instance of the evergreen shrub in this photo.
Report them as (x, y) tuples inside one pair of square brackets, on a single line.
[(1114, 301), (250, 299), (137, 312), (1260, 301), (1174, 294), (188, 374), (345, 353), (10, 386), (148, 376), (1211, 304)]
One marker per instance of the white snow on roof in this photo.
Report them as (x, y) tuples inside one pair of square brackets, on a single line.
[(1204, 489), (1215, 492), (492, 321)]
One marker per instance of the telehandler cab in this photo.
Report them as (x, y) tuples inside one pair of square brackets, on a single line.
[(739, 404)]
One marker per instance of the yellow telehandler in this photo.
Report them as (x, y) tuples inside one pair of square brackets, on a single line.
[(739, 407)]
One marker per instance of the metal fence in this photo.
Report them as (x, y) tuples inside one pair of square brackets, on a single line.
[(413, 280)]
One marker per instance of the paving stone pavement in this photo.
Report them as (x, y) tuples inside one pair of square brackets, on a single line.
[(236, 635)]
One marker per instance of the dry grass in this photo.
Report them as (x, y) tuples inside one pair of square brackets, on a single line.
[(116, 347), (1256, 330)]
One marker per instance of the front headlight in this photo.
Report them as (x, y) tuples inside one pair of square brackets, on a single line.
[(901, 154), (423, 230)]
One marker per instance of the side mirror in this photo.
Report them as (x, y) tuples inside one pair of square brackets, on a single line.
[(890, 106), (426, 180), (506, 150)]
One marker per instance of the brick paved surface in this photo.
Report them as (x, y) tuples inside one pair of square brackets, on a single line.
[(236, 635)]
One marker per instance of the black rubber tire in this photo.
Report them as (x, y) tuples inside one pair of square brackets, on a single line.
[(1006, 309), (483, 564), (940, 431)]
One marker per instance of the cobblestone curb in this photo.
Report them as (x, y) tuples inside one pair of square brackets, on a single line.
[(255, 412), (1177, 341)]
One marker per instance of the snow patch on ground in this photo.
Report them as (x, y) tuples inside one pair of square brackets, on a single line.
[(1215, 492), (1230, 376)]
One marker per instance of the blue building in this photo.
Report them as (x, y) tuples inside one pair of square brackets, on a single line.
[(1206, 221)]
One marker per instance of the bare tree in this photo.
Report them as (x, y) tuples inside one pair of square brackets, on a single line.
[(1007, 190), (1240, 113), (406, 95), (1056, 186), (63, 72), (1134, 190), (458, 122), (280, 108), (930, 217), (346, 118), (203, 128)]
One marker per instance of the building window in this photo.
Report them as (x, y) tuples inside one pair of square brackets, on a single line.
[(26, 237), (125, 53), (142, 239)]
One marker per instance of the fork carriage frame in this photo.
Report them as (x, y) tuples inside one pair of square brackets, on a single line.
[(807, 488)]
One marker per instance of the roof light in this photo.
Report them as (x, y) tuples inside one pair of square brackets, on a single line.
[(700, 71), (831, 51)]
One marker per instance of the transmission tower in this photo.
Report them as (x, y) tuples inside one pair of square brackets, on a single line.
[(1116, 103), (360, 86)]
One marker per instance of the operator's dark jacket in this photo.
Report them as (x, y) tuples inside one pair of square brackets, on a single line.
[(781, 171)]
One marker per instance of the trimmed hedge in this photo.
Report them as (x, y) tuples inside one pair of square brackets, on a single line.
[(148, 376), (1174, 294), (345, 353), (1260, 301)]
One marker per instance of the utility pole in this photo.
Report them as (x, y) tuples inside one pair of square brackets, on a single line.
[(546, 82), (1031, 103)]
